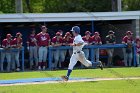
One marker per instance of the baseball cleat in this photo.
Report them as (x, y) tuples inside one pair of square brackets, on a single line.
[(101, 65), (65, 78)]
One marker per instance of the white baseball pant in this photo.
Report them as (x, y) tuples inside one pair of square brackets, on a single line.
[(33, 55), (43, 51), (79, 57), (15, 58), (8, 57)]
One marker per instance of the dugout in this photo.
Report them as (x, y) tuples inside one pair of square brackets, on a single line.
[(119, 22)]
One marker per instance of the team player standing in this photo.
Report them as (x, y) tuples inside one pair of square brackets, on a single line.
[(38, 48)]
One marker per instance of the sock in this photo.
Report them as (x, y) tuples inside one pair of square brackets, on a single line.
[(69, 72)]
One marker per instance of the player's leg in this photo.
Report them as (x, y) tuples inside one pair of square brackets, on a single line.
[(70, 52), (56, 58), (2, 59), (97, 55), (35, 53), (8, 57), (83, 60), (138, 59), (13, 61), (31, 56), (62, 56), (40, 54), (109, 57), (86, 51), (130, 59), (17, 60), (87, 63), (73, 61), (125, 56), (44, 57)]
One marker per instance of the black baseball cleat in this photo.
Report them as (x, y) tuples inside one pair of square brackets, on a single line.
[(101, 65), (65, 78)]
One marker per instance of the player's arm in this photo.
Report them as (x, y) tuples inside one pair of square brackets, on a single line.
[(124, 41)]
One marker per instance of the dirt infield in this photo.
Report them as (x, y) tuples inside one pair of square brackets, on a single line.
[(72, 80)]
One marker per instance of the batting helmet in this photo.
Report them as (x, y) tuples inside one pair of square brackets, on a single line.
[(76, 29)]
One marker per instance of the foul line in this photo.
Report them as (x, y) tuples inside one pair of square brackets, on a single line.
[(82, 80)]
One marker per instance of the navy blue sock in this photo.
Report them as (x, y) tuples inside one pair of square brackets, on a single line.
[(69, 72)]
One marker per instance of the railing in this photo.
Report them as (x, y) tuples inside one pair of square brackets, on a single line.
[(22, 55), (92, 47)]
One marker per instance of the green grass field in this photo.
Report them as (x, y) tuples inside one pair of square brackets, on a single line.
[(93, 73), (114, 86)]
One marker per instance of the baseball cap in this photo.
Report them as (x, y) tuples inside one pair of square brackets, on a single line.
[(8, 35), (96, 33), (129, 33), (58, 34), (18, 34), (111, 32), (75, 29), (87, 32)]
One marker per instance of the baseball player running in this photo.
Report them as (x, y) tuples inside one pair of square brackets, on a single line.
[(43, 40), (78, 54), (6, 45)]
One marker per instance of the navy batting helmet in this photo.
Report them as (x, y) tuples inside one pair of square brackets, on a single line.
[(76, 29)]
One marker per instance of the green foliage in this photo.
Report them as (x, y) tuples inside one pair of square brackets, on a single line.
[(131, 5), (52, 6)]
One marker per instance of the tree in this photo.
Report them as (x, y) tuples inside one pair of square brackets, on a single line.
[(131, 5)]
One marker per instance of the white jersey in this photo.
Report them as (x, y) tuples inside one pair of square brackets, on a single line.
[(78, 39)]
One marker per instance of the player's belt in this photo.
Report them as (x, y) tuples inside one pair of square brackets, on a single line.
[(43, 46), (76, 52)]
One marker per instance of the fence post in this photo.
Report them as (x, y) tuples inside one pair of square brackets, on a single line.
[(22, 58)]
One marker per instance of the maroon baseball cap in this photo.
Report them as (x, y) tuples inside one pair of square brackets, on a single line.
[(8, 36), (96, 33), (129, 33), (58, 34), (87, 33)]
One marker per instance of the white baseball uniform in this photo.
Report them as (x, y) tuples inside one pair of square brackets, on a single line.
[(78, 54)]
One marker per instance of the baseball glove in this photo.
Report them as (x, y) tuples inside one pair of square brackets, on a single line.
[(129, 45), (129, 48)]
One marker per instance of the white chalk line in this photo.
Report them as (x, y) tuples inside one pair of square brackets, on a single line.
[(83, 80)]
